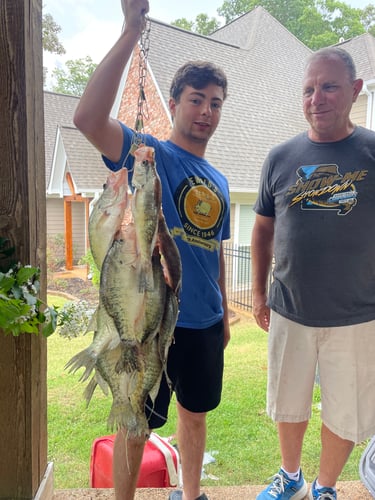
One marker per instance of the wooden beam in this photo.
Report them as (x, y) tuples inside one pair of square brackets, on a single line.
[(23, 365), (68, 222)]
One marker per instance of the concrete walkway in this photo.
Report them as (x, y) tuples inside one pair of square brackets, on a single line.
[(348, 490)]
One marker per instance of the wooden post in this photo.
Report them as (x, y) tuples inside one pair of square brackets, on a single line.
[(68, 222), (23, 394)]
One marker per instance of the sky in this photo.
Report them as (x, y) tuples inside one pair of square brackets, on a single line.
[(90, 27)]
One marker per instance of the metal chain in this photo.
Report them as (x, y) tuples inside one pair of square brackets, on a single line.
[(142, 111)]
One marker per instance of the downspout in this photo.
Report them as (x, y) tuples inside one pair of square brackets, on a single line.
[(370, 115)]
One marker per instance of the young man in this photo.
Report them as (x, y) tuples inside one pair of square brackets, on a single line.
[(315, 213), (195, 360)]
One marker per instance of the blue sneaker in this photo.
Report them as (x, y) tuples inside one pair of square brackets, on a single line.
[(283, 488), (322, 493)]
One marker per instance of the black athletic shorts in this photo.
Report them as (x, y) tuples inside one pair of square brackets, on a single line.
[(195, 368)]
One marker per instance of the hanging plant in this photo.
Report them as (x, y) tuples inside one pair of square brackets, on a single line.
[(21, 311)]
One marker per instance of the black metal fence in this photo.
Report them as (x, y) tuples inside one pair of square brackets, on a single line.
[(238, 275)]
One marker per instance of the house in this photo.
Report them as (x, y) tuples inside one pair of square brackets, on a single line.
[(362, 50), (264, 64), (74, 176)]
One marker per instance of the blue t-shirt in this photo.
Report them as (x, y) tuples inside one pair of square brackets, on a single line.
[(196, 206)]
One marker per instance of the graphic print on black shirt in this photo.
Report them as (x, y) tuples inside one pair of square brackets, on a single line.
[(323, 187)]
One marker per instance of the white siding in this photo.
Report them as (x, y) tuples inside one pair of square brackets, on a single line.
[(56, 226)]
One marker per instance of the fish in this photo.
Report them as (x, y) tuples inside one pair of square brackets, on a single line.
[(140, 282), (121, 413), (107, 214), (167, 325), (154, 300), (170, 256), (105, 337), (146, 207), (153, 305), (147, 383), (120, 294)]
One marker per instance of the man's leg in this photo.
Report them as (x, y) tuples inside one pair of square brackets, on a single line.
[(127, 459), (191, 439), (291, 440), (334, 455)]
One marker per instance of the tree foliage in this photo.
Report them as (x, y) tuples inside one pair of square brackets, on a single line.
[(74, 78), (202, 24), (316, 23), (50, 35)]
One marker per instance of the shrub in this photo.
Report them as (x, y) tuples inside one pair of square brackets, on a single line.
[(74, 319)]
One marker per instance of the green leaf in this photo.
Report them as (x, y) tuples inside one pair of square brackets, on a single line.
[(30, 298), (6, 283), (24, 274)]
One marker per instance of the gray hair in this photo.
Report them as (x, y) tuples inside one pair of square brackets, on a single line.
[(335, 53)]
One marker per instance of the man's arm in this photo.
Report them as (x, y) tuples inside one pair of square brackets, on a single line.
[(92, 116), (261, 260)]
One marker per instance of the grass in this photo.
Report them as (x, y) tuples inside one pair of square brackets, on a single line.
[(240, 433)]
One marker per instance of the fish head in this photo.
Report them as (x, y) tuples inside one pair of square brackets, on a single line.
[(115, 189), (144, 166)]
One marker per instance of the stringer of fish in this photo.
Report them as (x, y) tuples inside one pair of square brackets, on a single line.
[(138, 297)]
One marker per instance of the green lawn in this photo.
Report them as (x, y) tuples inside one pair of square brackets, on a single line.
[(239, 432)]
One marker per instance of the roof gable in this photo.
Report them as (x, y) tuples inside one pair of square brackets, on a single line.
[(66, 149), (263, 106), (362, 50), (58, 111)]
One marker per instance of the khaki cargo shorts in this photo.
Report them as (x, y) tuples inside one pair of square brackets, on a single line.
[(345, 359)]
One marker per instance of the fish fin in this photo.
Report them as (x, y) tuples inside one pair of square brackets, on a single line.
[(92, 326), (155, 390), (146, 278), (89, 391), (102, 383), (83, 358), (122, 416), (131, 382)]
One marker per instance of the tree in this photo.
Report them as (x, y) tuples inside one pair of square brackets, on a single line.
[(368, 19), (73, 80), (202, 24), (317, 23), (50, 39)]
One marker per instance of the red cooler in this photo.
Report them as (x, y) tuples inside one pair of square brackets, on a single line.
[(159, 468)]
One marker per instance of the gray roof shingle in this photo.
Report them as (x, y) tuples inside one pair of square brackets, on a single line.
[(362, 50), (264, 65), (84, 161), (58, 111)]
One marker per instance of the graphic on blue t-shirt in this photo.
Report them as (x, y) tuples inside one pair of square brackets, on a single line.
[(323, 187), (200, 205)]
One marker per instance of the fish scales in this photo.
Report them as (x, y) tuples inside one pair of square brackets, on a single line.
[(170, 256), (146, 207), (119, 288), (107, 214), (138, 297)]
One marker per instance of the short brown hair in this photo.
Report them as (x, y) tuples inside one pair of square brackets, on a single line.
[(197, 74)]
